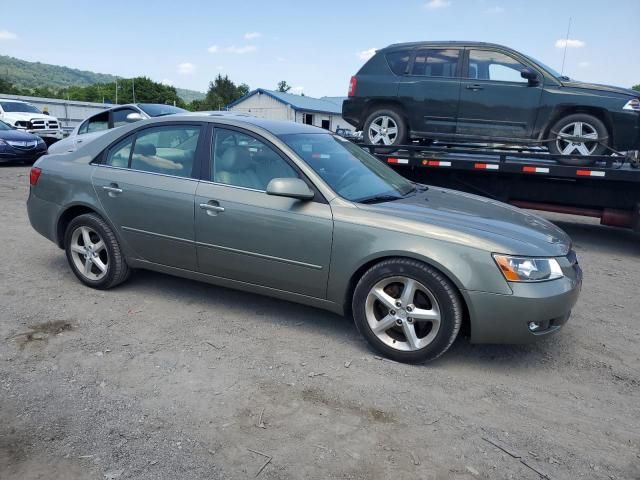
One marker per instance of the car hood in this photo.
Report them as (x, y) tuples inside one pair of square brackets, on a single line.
[(529, 234), (600, 88), (27, 116), (17, 135)]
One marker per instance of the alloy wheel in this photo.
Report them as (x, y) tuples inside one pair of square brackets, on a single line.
[(403, 313), (577, 138), (89, 253), (383, 130)]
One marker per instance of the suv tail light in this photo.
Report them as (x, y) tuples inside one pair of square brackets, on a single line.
[(34, 175), (352, 86)]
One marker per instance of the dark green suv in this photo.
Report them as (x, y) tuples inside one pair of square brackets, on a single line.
[(481, 92)]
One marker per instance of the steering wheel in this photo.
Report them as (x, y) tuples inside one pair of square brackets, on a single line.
[(345, 176)]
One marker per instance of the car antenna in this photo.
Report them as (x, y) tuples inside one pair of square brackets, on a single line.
[(566, 44)]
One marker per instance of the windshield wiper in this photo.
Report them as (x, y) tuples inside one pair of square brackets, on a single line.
[(379, 199)]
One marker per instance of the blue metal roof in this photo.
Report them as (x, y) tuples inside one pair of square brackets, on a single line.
[(298, 102)]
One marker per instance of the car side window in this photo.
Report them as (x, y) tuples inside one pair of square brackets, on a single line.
[(496, 66), (436, 62), (398, 61), (98, 122), (169, 150), (83, 127), (119, 154), (244, 161), (120, 116)]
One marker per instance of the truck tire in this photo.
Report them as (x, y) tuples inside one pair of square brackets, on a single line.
[(581, 125), (385, 127)]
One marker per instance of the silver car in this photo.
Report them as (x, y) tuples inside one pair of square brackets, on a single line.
[(295, 212), (96, 125)]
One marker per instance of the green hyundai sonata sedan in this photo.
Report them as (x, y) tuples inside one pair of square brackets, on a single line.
[(298, 213)]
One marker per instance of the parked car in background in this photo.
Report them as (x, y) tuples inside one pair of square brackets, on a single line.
[(349, 134), (19, 146), (114, 117), (468, 91), (27, 117), (298, 213)]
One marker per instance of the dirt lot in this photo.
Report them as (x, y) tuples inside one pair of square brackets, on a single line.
[(172, 379)]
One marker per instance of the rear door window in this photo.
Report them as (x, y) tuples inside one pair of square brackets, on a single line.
[(98, 123), (170, 150), (436, 62), (398, 61)]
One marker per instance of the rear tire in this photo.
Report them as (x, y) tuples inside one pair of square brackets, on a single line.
[(406, 310), (385, 127), (93, 252), (591, 129)]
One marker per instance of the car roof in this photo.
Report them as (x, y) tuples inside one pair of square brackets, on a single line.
[(445, 43), (275, 127), (13, 100)]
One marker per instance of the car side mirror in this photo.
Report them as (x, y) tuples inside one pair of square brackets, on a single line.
[(134, 117), (530, 75), (290, 187)]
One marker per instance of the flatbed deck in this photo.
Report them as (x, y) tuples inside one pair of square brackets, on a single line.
[(608, 188)]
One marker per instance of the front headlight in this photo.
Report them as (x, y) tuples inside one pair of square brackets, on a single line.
[(633, 104), (528, 269)]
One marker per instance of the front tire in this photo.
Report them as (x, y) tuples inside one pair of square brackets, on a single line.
[(385, 127), (407, 311), (590, 137), (93, 252)]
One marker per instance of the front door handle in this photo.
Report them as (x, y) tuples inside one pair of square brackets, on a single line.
[(112, 190), (212, 208), (475, 87)]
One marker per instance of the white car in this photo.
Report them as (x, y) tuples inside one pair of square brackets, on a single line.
[(102, 122), (26, 116)]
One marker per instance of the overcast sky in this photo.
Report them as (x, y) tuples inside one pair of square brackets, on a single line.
[(314, 46)]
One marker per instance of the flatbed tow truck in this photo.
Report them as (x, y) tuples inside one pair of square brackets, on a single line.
[(605, 187)]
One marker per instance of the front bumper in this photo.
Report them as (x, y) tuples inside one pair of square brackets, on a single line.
[(52, 134), (504, 319), (626, 131), (9, 154)]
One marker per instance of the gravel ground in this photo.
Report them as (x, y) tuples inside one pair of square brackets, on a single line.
[(165, 378)]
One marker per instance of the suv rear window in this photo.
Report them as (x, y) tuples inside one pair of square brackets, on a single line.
[(436, 62), (398, 61)]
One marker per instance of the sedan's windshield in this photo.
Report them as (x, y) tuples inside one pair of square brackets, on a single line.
[(350, 171), (19, 107), (158, 110)]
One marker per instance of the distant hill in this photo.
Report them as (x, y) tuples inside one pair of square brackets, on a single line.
[(35, 74), (189, 95)]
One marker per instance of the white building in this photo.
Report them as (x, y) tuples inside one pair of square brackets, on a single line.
[(325, 112)]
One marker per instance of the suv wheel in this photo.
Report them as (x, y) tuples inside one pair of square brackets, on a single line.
[(407, 310), (578, 134), (94, 253), (385, 127)]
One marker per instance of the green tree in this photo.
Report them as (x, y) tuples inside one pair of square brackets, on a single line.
[(222, 91), (283, 86), (636, 87)]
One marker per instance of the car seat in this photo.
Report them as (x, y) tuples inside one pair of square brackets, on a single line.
[(233, 167)]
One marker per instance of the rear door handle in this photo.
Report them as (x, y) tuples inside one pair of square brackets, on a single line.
[(474, 87), (212, 208), (112, 190)]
